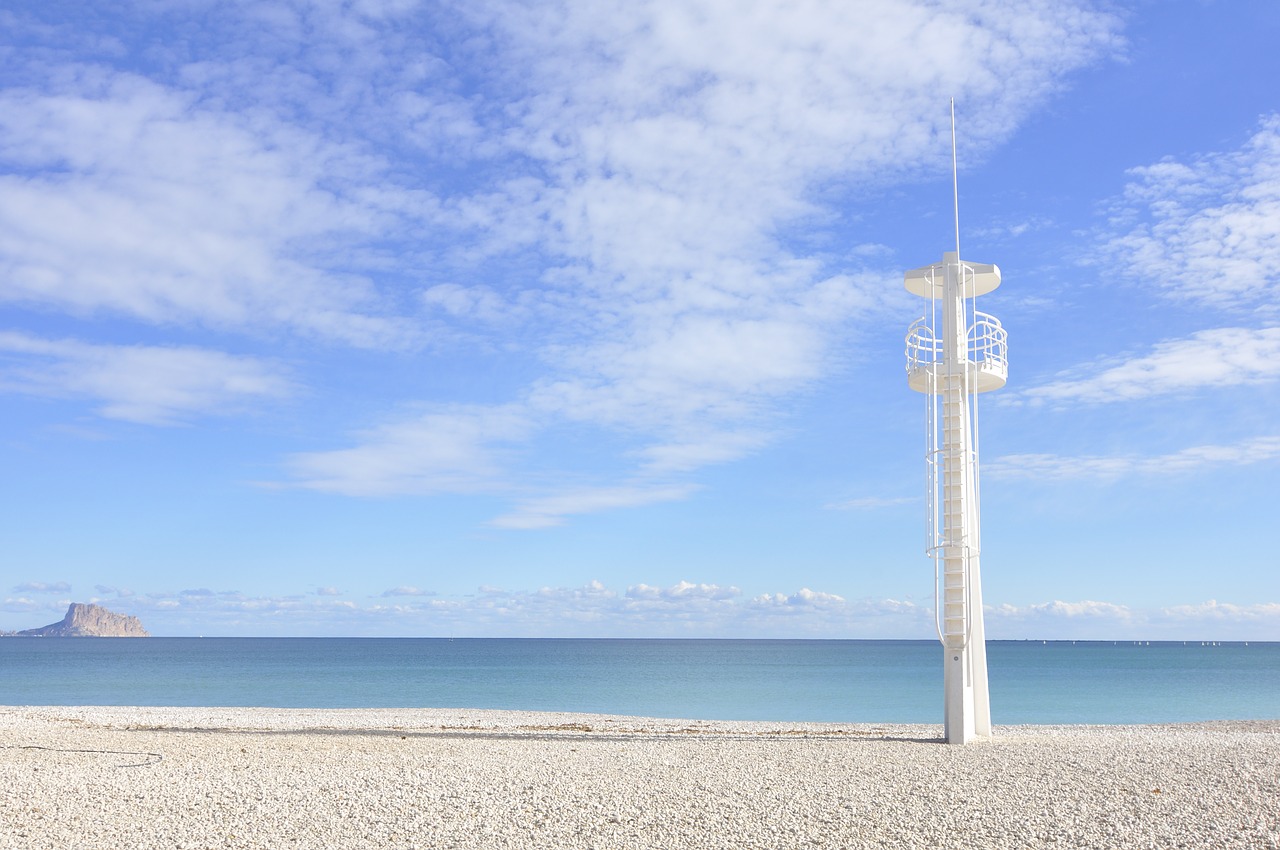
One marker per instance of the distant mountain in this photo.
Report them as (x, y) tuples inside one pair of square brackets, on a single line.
[(90, 621)]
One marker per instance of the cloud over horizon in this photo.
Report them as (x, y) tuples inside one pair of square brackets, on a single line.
[(685, 609)]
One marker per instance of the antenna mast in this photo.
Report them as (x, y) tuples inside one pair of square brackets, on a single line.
[(955, 177)]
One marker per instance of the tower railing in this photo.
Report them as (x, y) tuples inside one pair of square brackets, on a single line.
[(989, 345), (986, 355)]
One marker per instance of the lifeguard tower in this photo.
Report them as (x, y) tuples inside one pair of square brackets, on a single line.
[(955, 352)]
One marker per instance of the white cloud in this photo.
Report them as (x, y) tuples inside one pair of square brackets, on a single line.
[(548, 511), (700, 135), (480, 303), (682, 592), (25, 604), (1058, 620), (800, 599), (670, 151), (450, 450), (1070, 610), (685, 609), (711, 94), (43, 587), (1209, 359), (1204, 231), (1214, 612), (407, 590), (1094, 620), (615, 187), (125, 197), (699, 450), (1004, 230), (873, 503), (154, 385), (1060, 467)]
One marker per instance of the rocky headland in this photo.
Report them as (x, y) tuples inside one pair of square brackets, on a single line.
[(84, 620)]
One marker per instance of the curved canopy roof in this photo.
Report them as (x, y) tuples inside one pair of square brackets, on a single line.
[(986, 277)]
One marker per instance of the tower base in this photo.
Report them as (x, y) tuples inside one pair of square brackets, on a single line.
[(967, 705)]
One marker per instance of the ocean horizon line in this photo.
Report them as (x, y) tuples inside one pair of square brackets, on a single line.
[(1205, 641)]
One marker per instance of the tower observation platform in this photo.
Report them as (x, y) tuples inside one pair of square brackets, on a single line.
[(985, 353)]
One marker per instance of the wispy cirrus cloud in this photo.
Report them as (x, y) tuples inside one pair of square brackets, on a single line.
[(455, 450), (671, 154), (1060, 467), (43, 587), (126, 197), (873, 503), (547, 511), (152, 385), (407, 590), (606, 197), (1199, 231), (1207, 360), (1203, 230)]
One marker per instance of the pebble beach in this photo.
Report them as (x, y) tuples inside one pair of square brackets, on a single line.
[(97, 777)]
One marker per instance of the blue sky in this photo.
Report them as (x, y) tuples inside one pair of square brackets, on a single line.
[(488, 318)]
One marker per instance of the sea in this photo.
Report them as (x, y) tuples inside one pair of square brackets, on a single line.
[(851, 681)]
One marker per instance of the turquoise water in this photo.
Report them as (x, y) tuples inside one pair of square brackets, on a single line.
[(800, 680)]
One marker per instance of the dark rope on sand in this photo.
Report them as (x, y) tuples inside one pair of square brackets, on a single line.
[(153, 758)]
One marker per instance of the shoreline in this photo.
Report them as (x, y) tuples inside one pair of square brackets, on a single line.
[(106, 777), (459, 720)]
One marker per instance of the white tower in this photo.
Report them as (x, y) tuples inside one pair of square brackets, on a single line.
[(955, 352)]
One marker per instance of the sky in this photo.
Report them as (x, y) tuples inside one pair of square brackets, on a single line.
[(489, 318)]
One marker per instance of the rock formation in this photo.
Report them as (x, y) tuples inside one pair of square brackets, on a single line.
[(90, 621)]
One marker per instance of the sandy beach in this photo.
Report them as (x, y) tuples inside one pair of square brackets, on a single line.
[(238, 778)]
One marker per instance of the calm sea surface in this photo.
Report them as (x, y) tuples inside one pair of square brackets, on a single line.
[(839, 681)]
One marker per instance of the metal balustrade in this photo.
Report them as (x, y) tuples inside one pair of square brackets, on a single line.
[(986, 361)]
